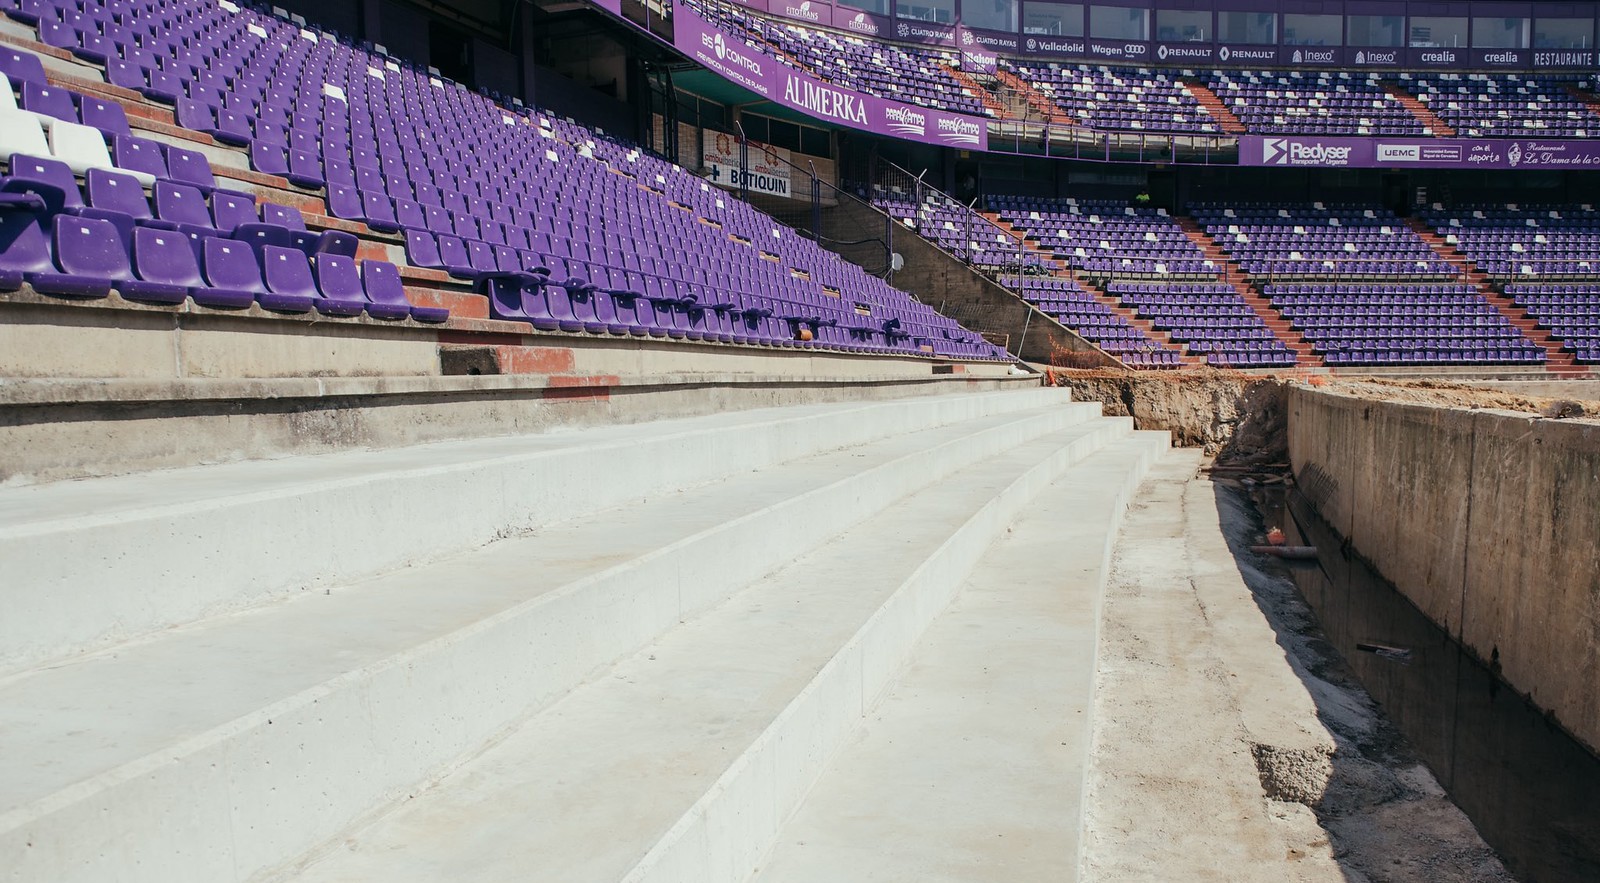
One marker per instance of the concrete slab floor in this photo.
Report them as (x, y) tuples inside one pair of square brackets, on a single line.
[(1225, 749)]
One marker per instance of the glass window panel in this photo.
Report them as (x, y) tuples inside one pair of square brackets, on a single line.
[(1377, 30), (1119, 23), (1313, 30), (1247, 27), (1563, 33), (942, 11), (1054, 19), (1183, 26), (993, 15), (1431, 32), (881, 7), (1500, 33)]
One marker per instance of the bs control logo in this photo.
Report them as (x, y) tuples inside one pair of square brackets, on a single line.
[(719, 47)]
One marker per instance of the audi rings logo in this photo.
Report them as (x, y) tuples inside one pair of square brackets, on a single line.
[(1133, 49)]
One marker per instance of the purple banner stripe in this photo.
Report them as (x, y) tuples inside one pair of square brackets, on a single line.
[(1417, 153), (734, 59)]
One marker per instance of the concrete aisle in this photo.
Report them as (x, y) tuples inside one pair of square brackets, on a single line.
[(971, 769), (1191, 682)]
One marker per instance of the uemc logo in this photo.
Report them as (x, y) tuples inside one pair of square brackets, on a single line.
[(1288, 152)]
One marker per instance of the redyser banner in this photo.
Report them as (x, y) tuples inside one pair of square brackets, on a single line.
[(1310, 151)]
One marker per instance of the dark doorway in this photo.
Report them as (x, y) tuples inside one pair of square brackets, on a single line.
[(450, 51)]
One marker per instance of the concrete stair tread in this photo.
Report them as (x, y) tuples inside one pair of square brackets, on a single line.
[(972, 768), (146, 696), (203, 541), (561, 798), (36, 508)]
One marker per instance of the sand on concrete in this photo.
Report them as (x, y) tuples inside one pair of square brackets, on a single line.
[(1230, 744)]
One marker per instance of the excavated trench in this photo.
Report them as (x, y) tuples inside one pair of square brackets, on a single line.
[(1531, 790)]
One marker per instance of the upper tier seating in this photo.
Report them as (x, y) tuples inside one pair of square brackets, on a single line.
[(1118, 98), (560, 226), (1107, 239), (957, 229), (1273, 242), (902, 73), (1519, 242), (1317, 102), (1505, 105)]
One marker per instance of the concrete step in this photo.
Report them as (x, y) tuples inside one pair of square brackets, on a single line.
[(973, 766), (130, 763), (679, 762), (90, 563)]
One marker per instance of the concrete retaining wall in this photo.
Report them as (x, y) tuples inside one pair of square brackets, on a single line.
[(1489, 521)]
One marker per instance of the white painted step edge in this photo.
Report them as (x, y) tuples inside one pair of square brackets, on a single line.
[(80, 584), (240, 799), (726, 834)]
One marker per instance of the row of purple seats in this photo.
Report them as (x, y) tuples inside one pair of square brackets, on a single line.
[(85, 258), (64, 104)]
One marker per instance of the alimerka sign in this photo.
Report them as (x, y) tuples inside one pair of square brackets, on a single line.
[(736, 60)]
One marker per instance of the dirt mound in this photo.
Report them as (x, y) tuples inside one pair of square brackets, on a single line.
[(1239, 418)]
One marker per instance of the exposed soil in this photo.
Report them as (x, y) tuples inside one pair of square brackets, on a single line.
[(1238, 418), (1241, 419)]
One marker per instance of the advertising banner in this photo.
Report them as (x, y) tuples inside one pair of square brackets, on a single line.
[(1417, 153), (975, 57), (734, 59), (765, 168)]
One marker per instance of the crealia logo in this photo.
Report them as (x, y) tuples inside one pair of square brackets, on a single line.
[(1288, 152), (906, 121), (1445, 57), (1501, 58)]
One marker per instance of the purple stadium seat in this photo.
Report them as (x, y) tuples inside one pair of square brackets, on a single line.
[(290, 287), (232, 273), (339, 282), (165, 268), (387, 295)]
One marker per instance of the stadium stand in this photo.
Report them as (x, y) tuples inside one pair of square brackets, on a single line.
[(544, 215)]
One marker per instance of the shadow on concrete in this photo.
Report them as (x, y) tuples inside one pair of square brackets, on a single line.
[(1532, 791)]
